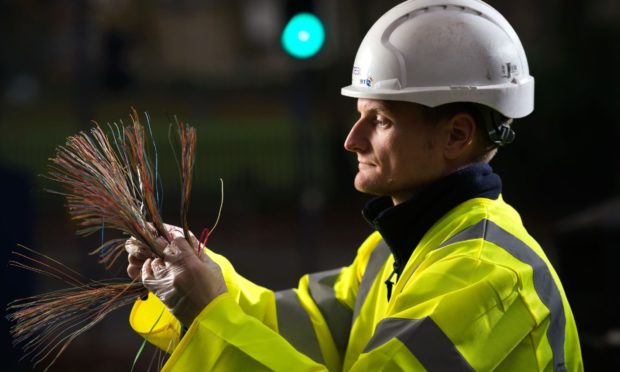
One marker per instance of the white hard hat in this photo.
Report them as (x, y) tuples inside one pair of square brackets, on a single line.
[(434, 52)]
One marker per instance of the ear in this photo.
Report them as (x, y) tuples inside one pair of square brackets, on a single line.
[(460, 134)]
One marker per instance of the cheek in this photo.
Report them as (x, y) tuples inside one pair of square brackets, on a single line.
[(401, 153), (412, 159), (432, 144)]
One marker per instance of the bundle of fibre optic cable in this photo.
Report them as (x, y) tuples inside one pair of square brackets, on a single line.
[(110, 181)]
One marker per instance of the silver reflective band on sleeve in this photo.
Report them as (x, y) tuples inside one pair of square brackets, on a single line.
[(545, 286), (376, 261), (424, 339), (295, 326), (337, 315)]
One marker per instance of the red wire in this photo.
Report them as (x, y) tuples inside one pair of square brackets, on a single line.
[(204, 236)]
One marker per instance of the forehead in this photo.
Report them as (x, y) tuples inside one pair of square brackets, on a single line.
[(390, 107), (364, 104)]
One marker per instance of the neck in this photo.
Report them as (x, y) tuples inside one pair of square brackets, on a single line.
[(411, 193)]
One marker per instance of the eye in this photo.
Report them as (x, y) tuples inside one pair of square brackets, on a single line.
[(382, 122)]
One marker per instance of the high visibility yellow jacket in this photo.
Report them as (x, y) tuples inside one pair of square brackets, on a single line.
[(478, 293)]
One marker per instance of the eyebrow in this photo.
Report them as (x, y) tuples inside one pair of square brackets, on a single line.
[(380, 108)]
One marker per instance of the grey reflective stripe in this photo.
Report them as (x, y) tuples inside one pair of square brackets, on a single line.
[(424, 339), (545, 286), (473, 232), (376, 261), (337, 316), (295, 326)]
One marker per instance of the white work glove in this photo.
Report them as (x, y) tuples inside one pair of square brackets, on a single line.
[(137, 252), (182, 280)]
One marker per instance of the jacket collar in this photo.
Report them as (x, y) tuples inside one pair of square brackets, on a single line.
[(403, 226)]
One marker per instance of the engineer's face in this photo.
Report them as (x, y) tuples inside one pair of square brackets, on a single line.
[(397, 149)]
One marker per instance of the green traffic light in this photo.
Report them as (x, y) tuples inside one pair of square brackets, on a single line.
[(303, 36)]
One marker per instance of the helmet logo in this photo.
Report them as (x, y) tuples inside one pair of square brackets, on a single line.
[(367, 81), (356, 72)]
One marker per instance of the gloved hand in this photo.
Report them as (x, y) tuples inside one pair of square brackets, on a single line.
[(137, 252), (182, 280)]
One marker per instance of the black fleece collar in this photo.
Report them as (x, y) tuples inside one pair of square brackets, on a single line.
[(402, 226)]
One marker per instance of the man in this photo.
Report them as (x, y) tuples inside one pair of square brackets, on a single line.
[(450, 280)]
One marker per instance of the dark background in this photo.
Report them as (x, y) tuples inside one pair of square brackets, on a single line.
[(272, 127)]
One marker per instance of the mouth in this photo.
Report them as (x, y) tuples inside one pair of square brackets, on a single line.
[(363, 164)]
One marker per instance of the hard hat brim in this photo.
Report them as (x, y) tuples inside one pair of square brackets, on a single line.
[(514, 100)]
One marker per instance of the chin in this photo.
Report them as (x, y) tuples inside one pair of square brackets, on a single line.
[(366, 187)]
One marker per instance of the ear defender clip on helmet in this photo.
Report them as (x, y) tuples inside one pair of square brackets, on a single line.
[(498, 128)]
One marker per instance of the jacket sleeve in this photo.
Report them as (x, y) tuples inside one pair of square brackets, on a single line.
[(151, 319), (223, 337), (253, 328)]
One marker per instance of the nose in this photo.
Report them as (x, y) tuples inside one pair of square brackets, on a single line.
[(356, 140)]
